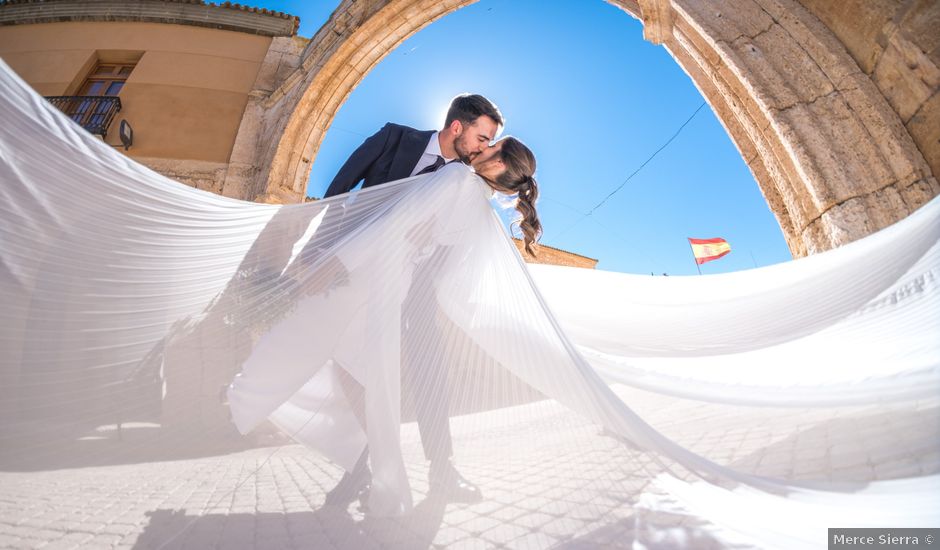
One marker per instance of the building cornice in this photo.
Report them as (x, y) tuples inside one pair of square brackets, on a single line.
[(224, 16), (521, 246)]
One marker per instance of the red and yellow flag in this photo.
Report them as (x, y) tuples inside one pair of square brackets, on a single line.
[(706, 250)]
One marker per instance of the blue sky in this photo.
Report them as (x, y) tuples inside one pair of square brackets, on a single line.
[(576, 82)]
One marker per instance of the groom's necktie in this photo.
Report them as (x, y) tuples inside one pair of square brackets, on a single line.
[(432, 167)]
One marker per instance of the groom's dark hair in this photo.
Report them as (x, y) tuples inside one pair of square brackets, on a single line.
[(468, 107)]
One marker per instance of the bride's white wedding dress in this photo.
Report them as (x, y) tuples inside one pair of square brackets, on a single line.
[(105, 264)]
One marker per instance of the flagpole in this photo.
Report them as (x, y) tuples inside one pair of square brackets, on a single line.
[(694, 259)]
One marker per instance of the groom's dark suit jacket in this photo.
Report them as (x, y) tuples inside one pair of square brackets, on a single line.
[(391, 154)]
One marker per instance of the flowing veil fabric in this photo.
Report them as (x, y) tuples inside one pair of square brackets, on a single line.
[(115, 276)]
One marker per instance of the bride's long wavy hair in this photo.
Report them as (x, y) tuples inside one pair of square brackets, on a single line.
[(519, 178)]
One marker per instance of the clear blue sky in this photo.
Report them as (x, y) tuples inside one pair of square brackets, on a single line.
[(576, 82)]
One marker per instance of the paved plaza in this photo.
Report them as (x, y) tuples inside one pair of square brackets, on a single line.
[(549, 478)]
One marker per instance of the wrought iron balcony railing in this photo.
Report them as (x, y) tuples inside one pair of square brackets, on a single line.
[(93, 113)]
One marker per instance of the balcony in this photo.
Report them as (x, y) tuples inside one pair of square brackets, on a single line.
[(93, 113)]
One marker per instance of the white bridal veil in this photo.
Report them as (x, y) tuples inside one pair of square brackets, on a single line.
[(123, 291)]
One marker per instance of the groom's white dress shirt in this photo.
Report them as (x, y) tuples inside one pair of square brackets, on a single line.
[(430, 154)]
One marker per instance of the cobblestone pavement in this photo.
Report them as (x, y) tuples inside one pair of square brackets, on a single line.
[(564, 484)]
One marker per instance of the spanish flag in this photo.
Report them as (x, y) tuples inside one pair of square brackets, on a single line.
[(706, 250)]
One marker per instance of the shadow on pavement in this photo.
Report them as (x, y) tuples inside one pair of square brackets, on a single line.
[(325, 528), (134, 445)]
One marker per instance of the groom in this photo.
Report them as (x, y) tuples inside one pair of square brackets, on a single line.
[(397, 152), (393, 153)]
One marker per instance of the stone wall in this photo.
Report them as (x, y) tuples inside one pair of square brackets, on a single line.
[(205, 175), (243, 179), (897, 45)]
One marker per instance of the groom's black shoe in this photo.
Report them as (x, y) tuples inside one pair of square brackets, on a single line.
[(447, 483), (351, 487), (354, 485)]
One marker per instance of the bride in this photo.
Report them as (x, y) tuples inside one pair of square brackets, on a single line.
[(330, 373)]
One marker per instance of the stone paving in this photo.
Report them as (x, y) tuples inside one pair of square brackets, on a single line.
[(565, 485)]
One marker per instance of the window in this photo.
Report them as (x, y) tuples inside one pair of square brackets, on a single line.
[(107, 79), (96, 103)]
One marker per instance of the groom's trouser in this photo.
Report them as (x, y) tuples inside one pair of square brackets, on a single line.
[(424, 376), (424, 384)]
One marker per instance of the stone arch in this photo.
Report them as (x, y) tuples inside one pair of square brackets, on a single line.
[(831, 156)]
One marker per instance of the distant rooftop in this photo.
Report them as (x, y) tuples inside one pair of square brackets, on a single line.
[(224, 15), (554, 256)]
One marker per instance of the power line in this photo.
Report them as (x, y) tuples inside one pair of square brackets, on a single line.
[(635, 172)]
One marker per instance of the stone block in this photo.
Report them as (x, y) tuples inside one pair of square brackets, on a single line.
[(266, 80), (729, 98), (884, 129), (290, 45), (920, 193), (886, 206), (838, 157), (284, 67), (814, 237), (693, 42), (783, 68), (365, 48), (239, 182), (858, 24), (924, 128), (906, 76), (751, 103), (204, 175), (727, 20), (783, 174), (847, 222), (814, 37), (657, 19), (919, 24)]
